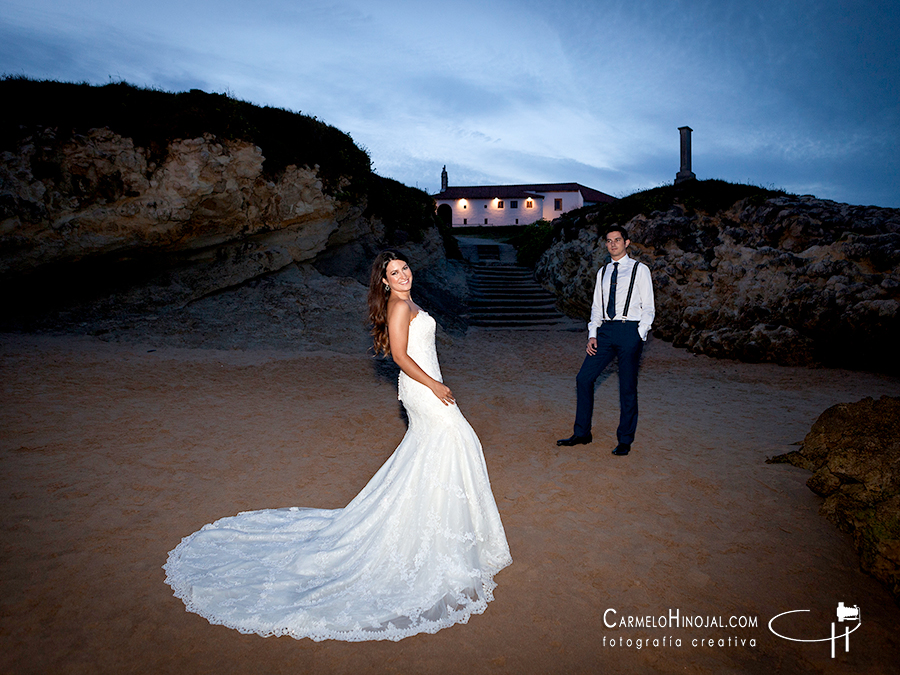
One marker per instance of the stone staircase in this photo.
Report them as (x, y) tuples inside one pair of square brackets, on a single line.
[(505, 296), (508, 297)]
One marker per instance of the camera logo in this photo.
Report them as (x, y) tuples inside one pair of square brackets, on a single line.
[(844, 613)]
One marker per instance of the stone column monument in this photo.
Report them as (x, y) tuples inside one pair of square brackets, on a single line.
[(685, 173)]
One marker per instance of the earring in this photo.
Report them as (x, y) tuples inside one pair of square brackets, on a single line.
[(387, 289)]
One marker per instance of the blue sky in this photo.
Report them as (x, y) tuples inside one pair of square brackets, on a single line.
[(791, 94)]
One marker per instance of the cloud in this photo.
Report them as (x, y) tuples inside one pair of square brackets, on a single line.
[(803, 93)]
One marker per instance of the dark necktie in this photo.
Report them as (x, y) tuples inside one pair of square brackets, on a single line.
[(611, 305)]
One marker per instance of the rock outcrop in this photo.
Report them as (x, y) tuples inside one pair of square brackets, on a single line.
[(101, 232), (853, 450), (100, 198), (791, 280)]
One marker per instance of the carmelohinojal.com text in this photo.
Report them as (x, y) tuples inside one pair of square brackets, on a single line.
[(676, 620)]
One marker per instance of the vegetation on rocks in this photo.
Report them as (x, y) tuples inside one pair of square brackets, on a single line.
[(153, 118), (531, 241)]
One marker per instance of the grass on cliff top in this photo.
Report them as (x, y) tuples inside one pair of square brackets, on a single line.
[(703, 196), (153, 118), (707, 196)]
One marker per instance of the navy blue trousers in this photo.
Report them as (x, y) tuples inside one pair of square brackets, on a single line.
[(614, 339)]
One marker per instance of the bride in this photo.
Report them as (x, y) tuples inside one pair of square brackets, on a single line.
[(414, 552)]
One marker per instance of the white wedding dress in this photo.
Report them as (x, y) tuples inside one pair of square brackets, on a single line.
[(414, 552)]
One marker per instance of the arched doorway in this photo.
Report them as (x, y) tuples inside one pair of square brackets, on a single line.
[(445, 213)]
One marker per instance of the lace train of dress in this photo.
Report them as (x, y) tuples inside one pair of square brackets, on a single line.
[(414, 552)]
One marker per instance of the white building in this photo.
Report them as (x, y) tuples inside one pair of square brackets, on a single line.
[(493, 205)]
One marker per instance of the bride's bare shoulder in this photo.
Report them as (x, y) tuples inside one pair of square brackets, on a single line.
[(398, 310)]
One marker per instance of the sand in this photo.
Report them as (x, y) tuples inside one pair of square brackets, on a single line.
[(111, 453)]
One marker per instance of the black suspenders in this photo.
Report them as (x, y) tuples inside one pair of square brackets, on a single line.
[(602, 301), (630, 288)]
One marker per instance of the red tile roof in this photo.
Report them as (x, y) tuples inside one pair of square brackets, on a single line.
[(531, 191)]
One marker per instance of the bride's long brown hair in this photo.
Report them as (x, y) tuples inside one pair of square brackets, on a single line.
[(378, 300)]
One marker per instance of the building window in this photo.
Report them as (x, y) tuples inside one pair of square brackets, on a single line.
[(529, 204), (517, 221), (557, 204), (464, 205), (500, 204), (485, 221), (513, 204), (465, 221), (485, 206)]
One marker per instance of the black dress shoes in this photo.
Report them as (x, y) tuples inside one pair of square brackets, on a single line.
[(622, 449), (575, 440)]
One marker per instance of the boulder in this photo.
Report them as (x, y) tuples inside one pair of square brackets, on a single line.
[(853, 450)]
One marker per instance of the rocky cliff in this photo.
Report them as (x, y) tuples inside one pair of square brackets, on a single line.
[(792, 280), (102, 228)]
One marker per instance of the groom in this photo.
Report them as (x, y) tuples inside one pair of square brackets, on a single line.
[(621, 315)]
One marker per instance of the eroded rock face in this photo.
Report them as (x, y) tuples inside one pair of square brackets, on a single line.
[(104, 232), (793, 280), (853, 450), (206, 205)]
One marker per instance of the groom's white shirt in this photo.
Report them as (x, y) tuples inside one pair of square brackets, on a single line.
[(640, 309)]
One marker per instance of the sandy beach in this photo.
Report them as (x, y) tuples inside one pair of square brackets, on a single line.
[(111, 453)]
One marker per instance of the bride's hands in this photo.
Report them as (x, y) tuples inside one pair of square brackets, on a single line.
[(443, 392)]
